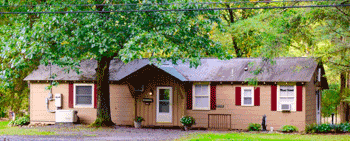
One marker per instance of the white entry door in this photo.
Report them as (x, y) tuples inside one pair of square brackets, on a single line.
[(318, 106), (164, 104)]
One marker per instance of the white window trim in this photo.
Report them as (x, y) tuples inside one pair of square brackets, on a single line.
[(194, 96), (92, 98), (319, 75), (242, 95), (294, 106)]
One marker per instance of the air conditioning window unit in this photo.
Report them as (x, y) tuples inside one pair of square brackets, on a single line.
[(285, 107), (66, 116)]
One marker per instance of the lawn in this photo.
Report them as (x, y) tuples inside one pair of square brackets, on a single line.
[(5, 130), (262, 137)]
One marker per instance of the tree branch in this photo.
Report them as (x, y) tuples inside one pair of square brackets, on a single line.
[(338, 64), (285, 9), (232, 20), (341, 11), (340, 50)]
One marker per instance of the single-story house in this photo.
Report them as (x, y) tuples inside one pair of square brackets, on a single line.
[(216, 93)]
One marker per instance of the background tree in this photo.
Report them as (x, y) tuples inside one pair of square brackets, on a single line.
[(14, 91)]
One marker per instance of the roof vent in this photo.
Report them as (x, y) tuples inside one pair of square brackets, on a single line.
[(245, 69)]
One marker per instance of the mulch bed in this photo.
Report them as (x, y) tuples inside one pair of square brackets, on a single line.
[(4, 119)]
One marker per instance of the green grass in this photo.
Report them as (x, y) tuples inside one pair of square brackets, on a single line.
[(6, 130), (263, 137)]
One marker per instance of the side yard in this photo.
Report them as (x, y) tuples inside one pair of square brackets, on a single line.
[(264, 137), (81, 132), (6, 130)]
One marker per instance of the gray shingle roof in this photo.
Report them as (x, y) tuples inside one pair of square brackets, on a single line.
[(294, 69)]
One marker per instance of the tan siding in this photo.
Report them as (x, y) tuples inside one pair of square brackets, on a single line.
[(38, 106), (122, 105), (38, 112), (311, 102), (149, 111), (122, 109), (242, 115)]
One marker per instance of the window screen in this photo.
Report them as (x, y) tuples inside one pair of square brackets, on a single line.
[(83, 95)]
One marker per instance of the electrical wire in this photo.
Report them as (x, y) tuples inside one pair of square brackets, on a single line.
[(166, 10), (150, 4)]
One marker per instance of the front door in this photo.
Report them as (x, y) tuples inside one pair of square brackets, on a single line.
[(318, 106), (164, 104)]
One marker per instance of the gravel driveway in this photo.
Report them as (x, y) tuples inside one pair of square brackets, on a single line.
[(119, 133)]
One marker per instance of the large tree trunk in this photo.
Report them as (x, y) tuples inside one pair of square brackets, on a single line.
[(103, 95)]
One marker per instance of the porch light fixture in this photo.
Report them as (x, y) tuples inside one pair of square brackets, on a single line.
[(150, 93)]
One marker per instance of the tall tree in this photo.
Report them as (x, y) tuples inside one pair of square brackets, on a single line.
[(66, 39)]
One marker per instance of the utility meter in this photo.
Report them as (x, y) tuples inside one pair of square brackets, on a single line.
[(58, 100)]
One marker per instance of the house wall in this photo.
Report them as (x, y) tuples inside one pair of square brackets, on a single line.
[(122, 104), (310, 116), (241, 116), (38, 112)]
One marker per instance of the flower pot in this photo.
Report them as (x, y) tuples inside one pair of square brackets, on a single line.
[(137, 124), (187, 127)]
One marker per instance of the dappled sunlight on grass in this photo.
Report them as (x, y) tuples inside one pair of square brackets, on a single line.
[(6, 130), (263, 137)]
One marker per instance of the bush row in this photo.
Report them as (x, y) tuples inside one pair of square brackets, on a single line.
[(285, 128), (326, 128), (20, 121)]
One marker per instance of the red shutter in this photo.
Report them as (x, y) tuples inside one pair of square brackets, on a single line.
[(299, 98), (238, 96), (95, 95), (189, 97), (273, 98), (257, 96), (213, 97), (71, 95)]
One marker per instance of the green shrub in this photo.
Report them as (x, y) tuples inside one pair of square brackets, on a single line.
[(343, 127), (324, 128), (289, 128), (139, 119), (254, 127), (187, 121), (20, 121), (311, 128)]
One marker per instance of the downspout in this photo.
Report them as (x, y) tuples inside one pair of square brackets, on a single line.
[(50, 96)]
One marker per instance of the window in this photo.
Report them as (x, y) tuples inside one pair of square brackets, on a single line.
[(287, 95), (319, 75), (247, 96), (83, 95), (201, 98)]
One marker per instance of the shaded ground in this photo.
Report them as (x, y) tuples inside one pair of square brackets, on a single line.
[(79, 132)]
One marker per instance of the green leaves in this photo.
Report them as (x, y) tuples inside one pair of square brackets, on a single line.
[(330, 100)]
